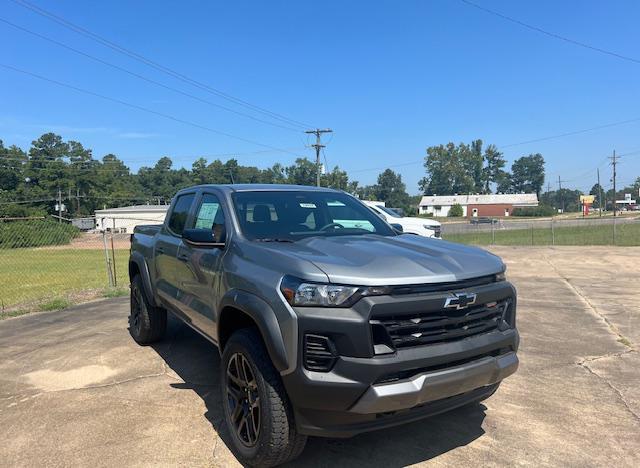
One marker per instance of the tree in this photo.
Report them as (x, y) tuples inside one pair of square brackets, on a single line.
[(446, 171), (336, 179), (303, 172), (462, 169), (455, 211), (391, 190), (527, 174), (597, 191), (492, 172)]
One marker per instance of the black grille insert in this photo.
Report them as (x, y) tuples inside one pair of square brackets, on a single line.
[(442, 326), (319, 353)]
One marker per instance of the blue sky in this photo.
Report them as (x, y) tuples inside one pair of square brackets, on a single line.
[(391, 78)]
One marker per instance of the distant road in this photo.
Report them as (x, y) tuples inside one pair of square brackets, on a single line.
[(539, 223)]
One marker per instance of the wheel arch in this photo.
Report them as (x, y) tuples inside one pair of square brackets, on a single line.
[(138, 265), (241, 309)]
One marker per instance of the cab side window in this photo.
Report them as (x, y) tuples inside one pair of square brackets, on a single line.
[(180, 213), (210, 217)]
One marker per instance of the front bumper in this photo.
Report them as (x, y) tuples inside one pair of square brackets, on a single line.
[(364, 392), (437, 385)]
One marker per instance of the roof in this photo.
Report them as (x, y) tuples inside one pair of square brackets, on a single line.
[(264, 187), (135, 209), (527, 199)]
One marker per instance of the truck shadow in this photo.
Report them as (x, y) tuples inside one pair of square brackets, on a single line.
[(197, 363)]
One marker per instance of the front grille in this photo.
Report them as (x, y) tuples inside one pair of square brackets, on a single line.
[(437, 231), (442, 326)]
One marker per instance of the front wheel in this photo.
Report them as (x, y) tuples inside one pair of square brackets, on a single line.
[(256, 407)]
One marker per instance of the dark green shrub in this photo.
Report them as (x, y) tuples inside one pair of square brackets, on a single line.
[(455, 211), (35, 233), (534, 211)]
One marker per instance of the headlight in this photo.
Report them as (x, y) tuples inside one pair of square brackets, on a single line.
[(501, 277), (300, 293), (426, 226)]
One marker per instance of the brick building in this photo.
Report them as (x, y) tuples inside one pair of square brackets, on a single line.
[(500, 204)]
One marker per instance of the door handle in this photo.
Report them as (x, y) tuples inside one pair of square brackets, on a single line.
[(159, 250), (183, 257)]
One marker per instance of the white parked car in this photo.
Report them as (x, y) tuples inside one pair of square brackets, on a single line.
[(421, 226)]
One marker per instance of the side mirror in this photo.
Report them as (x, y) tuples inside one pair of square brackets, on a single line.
[(397, 227), (202, 238)]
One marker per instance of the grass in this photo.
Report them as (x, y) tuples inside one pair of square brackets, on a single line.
[(29, 276), (55, 304), (626, 235), (115, 292)]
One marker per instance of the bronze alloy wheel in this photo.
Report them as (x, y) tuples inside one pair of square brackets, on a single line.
[(243, 399)]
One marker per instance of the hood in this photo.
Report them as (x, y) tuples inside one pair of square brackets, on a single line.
[(419, 221), (371, 260)]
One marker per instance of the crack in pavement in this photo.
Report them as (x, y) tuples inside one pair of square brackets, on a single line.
[(621, 396), (612, 327)]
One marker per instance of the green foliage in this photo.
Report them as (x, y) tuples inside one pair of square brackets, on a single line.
[(462, 168), (391, 190), (35, 233), (455, 211), (569, 199), (527, 174), (535, 211)]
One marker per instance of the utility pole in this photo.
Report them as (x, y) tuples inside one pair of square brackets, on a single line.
[(560, 194), (599, 194), (614, 161), (318, 146)]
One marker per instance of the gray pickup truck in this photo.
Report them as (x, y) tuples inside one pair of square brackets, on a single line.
[(329, 322)]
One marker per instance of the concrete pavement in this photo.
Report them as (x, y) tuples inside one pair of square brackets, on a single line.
[(75, 390)]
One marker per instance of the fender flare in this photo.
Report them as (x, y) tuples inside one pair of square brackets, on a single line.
[(264, 316), (138, 259)]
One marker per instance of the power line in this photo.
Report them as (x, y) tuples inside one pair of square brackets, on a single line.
[(144, 109), (551, 34), (144, 78), (576, 132), (163, 68), (146, 159)]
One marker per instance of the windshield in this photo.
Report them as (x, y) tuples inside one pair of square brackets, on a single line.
[(389, 211), (293, 215)]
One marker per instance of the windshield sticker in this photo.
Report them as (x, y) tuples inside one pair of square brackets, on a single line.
[(307, 205)]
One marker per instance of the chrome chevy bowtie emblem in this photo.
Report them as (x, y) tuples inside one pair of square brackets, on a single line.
[(460, 300)]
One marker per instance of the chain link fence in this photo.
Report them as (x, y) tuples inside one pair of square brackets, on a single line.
[(46, 263), (622, 231)]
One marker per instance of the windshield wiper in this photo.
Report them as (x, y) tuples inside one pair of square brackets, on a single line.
[(273, 239)]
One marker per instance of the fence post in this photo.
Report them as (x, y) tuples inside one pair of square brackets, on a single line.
[(553, 232), (113, 255), (106, 257), (531, 227), (493, 233)]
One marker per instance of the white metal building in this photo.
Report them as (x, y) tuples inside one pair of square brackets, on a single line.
[(499, 204), (125, 218)]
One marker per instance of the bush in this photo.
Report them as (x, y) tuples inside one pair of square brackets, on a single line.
[(535, 211), (455, 211), (35, 233)]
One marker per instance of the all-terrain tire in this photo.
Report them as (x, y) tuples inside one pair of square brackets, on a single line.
[(277, 440), (147, 324)]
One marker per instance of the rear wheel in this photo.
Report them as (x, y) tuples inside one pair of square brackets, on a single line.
[(147, 324), (256, 408)]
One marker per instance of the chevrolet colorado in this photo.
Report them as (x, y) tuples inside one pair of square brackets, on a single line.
[(329, 322)]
